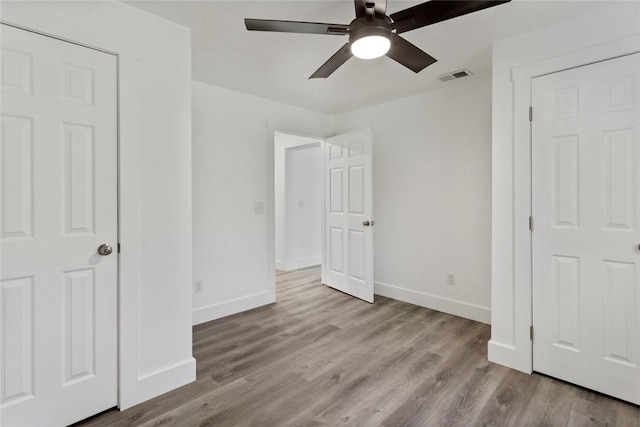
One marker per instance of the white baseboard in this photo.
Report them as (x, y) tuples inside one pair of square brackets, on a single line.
[(309, 262), (227, 308), (156, 383), (446, 305), (302, 263), (508, 355)]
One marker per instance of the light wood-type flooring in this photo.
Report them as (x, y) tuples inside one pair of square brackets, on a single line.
[(318, 357)]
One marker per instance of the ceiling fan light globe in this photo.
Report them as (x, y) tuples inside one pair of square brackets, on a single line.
[(370, 47)]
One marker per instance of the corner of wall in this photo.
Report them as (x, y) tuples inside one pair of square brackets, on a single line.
[(227, 308)]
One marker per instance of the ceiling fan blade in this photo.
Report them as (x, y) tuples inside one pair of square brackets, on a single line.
[(295, 26), (379, 5), (408, 54), (338, 58), (436, 11)]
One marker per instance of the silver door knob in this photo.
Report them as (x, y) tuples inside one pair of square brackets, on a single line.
[(365, 223), (105, 249)]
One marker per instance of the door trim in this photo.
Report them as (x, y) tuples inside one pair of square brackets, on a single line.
[(62, 39), (137, 382), (517, 353), (122, 317)]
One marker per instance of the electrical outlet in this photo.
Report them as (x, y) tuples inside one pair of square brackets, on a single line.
[(258, 208), (199, 287), (451, 279)]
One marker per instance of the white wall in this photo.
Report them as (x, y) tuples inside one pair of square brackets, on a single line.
[(603, 33), (155, 182), (298, 177), (432, 193), (233, 168)]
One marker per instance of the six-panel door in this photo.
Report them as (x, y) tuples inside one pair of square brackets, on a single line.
[(586, 210), (349, 214), (58, 204)]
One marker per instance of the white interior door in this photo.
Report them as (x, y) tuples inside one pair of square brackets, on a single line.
[(348, 258), (586, 210), (58, 184)]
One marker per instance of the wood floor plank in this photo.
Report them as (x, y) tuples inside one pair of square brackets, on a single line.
[(440, 386), (201, 408), (508, 404), (321, 358), (551, 404), (156, 407)]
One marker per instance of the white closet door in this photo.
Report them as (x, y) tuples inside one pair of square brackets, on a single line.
[(58, 198), (586, 210)]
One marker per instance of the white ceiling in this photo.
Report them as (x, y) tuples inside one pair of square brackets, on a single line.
[(277, 65)]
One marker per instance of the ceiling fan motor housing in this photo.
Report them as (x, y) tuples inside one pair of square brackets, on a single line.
[(364, 27)]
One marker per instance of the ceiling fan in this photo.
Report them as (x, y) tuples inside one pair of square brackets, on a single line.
[(373, 33)]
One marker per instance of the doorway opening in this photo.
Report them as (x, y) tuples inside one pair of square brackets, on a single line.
[(345, 209), (298, 172)]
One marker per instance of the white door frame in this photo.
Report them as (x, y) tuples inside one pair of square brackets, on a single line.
[(140, 377), (132, 388), (520, 354)]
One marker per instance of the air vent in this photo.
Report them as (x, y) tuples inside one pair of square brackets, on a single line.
[(454, 75)]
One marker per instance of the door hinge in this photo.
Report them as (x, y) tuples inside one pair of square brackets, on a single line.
[(530, 223), (530, 114), (531, 333), (118, 247)]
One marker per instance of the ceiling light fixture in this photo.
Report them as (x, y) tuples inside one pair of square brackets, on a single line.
[(369, 38), (370, 47)]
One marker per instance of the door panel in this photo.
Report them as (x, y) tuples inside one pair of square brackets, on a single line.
[(586, 207), (349, 202), (17, 339), (17, 203), (58, 202)]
